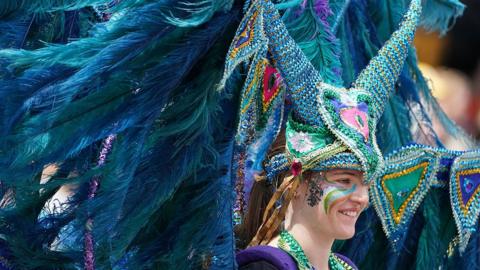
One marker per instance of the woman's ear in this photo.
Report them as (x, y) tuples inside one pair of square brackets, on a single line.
[(301, 191)]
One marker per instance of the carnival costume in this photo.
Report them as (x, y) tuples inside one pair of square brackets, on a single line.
[(137, 112)]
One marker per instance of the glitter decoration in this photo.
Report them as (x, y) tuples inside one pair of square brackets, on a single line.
[(301, 142), (240, 203)]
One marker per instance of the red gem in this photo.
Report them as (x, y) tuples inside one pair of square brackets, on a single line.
[(296, 168)]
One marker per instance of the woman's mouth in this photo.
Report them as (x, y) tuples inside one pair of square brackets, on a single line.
[(349, 213)]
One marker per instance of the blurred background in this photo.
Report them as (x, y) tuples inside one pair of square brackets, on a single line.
[(451, 63)]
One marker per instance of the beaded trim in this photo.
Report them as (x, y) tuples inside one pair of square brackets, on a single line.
[(399, 165), (364, 146), (279, 163), (263, 43)]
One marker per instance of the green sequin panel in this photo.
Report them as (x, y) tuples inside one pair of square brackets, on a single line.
[(403, 185)]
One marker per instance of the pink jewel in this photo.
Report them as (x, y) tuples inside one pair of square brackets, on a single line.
[(296, 168)]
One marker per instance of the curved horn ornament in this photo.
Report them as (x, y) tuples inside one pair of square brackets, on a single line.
[(380, 75), (344, 118)]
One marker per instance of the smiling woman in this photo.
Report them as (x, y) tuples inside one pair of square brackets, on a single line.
[(324, 207)]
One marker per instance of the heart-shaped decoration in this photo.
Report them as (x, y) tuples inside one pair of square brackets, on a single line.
[(347, 114), (355, 117)]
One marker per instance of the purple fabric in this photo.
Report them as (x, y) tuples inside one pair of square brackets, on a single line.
[(468, 184), (275, 256)]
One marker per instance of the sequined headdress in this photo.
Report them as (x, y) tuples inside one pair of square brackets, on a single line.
[(329, 126)]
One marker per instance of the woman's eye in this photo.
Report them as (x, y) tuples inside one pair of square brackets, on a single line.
[(345, 181)]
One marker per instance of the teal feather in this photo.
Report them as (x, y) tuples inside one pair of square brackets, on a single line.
[(431, 105), (135, 76), (7, 7), (438, 231), (440, 15), (79, 53), (158, 94), (393, 124), (386, 15), (348, 66), (288, 4), (59, 5), (198, 12)]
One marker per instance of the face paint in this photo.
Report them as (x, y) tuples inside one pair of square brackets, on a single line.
[(320, 187), (315, 193), (333, 193)]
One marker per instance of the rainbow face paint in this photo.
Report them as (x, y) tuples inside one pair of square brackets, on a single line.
[(332, 193)]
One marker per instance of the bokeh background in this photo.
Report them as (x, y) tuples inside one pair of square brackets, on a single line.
[(451, 63)]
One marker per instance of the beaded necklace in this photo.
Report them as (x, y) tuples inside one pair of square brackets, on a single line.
[(292, 247)]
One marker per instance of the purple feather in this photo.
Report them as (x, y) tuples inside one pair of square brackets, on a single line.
[(322, 9)]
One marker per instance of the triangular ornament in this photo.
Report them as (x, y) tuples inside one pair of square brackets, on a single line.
[(465, 195), (401, 188), (398, 193)]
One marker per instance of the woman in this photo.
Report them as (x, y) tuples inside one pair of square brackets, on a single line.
[(324, 207), (310, 228)]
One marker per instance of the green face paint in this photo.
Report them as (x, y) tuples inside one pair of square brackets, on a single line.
[(333, 193)]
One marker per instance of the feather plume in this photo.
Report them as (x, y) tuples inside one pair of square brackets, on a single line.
[(165, 118), (311, 30)]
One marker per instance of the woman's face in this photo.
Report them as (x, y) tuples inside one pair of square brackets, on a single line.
[(330, 202)]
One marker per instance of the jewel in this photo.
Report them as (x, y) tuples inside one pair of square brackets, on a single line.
[(464, 195), (468, 185), (296, 168)]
